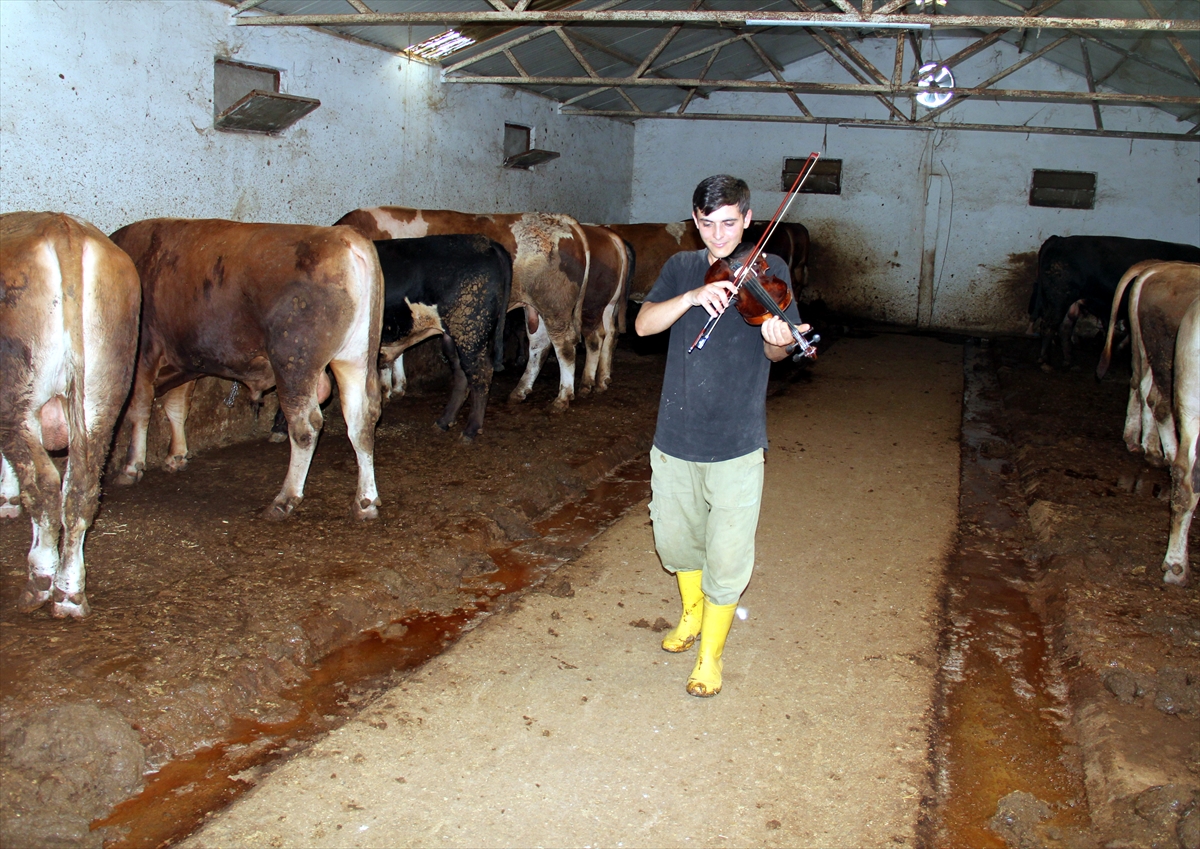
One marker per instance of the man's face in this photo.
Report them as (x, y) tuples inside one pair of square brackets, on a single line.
[(721, 230)]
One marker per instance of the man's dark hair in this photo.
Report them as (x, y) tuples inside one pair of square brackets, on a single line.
[(721, 190)]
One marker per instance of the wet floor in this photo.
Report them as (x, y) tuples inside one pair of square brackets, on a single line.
[(1003, 711), (177, 797)]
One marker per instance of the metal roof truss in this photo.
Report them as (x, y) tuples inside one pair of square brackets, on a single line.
[(652, 59)]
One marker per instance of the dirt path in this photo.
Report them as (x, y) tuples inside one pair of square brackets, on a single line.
[(561, 722)]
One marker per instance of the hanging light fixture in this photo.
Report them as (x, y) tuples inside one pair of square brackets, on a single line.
[(937, 84)]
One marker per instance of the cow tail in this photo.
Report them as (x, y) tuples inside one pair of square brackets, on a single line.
[(1118, 295), (506, 292), (70, 261), (626, 281), (577, 313)]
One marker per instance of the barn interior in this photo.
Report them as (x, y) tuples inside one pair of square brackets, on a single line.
[(1002, 122)]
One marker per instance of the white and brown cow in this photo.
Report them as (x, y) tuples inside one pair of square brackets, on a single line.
[(550, 271), (604, 304), (266, 305), (1163, 417), (69, 301)]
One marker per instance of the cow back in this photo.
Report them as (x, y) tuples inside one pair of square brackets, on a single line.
[(653, 245), (550, 255), (224, 297)]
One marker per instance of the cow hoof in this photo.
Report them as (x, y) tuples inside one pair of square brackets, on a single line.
[(1047, 368), (468, 438), (584, 391), (280, 509), (35, 594), (516, 396), (176, 463), (1175, 575), (10, 510), (365, 510), (129, 476), (74, 606), (442, 427), (559, 406), (278, 437)]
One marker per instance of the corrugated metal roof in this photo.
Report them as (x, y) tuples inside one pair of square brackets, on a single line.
[(617, 58)]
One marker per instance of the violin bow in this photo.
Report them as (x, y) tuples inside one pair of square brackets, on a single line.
[(743, 273)]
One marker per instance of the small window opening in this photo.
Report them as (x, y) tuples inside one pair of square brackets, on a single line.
[(516, 140), (824, 179), (1063, 189), (517, 150), (246, 98)]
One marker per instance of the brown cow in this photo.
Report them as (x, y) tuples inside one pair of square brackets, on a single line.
[(1163, 417), (654, 244), (267, 305), (69, 301), (603, 305), (550, 271)]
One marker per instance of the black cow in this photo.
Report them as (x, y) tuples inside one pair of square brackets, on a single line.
[(1078, 274), (456, 287)]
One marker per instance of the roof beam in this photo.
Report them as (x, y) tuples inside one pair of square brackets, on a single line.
[(866, 123), (700, 17), (866, 89)]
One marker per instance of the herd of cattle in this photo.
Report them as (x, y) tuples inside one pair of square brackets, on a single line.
[(162, 302)]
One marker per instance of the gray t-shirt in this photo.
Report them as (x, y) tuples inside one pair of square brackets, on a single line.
[(713, 404)]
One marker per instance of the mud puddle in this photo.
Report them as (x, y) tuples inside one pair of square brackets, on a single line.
[(1005, 774), (178, 797)]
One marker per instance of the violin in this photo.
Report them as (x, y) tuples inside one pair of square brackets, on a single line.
[(749, 308), (759, 296), (770, 296)]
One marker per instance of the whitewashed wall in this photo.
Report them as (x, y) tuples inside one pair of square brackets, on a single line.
[(106, 112), (963, 195)]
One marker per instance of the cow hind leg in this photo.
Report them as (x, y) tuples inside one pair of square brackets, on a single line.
[(392, 379), (593, 345), (10, 490), (539, 344), (358, 389), (138, 415), (41, 489), (305, 420), (478, 367), (176, 404), (564, 348), (458, 385), (1185, 470), (607, 348)]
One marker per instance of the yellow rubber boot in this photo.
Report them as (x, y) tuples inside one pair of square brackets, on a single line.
[(705, 679), (681, 637)]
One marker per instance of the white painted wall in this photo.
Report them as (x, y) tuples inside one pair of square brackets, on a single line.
[(869, 241), (106, 112)]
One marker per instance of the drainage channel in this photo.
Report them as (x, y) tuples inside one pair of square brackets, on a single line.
[(1004, 772), (177, 798)]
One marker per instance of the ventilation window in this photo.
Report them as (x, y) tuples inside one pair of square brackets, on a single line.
[(246, 98), (824, 179), (1063, 189), (518, 153)]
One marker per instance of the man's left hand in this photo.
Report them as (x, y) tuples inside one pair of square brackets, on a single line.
[(775, 331)]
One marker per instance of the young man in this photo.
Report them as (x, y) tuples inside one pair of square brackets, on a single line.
[(707, 460)]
